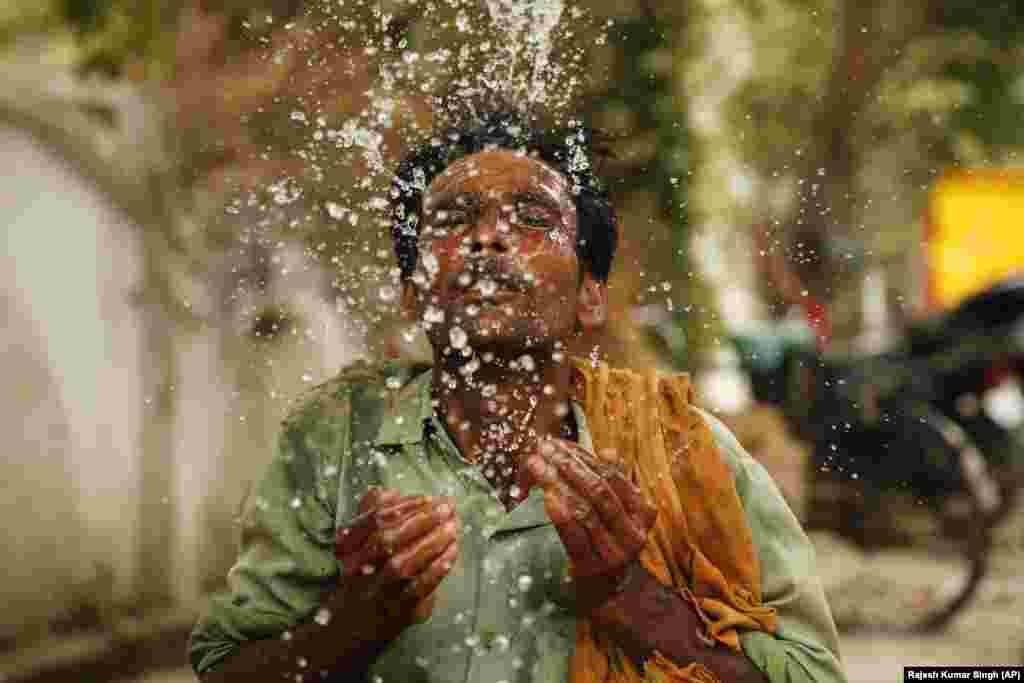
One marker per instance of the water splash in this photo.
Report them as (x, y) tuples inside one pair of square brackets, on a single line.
[(360, 82), (528, 26)]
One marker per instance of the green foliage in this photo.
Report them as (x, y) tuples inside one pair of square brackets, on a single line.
[(87, 16), (995, 112), (995, 109), (998, 22), (641, 88)]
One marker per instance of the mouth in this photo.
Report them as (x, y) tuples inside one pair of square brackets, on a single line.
[(491, 286), (490, 297)]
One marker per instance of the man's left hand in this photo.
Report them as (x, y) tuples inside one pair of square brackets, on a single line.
[(602, 518)]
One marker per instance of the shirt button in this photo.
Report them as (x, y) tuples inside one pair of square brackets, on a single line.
[(487, 637)]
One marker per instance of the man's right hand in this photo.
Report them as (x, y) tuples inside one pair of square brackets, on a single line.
[(393, 556)]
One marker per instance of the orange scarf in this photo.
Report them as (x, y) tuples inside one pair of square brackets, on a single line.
[(700, 544)]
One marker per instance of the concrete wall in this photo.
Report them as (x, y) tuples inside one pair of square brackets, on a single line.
[(68, 268), (76, 355)]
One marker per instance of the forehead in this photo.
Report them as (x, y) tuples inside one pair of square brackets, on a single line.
[(500, 172)]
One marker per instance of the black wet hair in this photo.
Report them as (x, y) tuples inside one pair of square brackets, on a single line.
[(568, 150)]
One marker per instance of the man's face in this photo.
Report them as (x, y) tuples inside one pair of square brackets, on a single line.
[(497, 256)]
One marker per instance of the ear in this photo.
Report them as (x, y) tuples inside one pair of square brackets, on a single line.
[(407, 304), (592, 303)]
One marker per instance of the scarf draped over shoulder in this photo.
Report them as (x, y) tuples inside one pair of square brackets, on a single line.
[(700, 545)]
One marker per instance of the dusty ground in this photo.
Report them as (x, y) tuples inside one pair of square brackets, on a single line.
[(889, 584), (989, 631), (885, 584)]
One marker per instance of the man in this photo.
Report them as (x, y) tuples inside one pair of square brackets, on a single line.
[(455, 523)]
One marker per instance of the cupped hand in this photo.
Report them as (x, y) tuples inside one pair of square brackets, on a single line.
[(393, 556), (602, 517)]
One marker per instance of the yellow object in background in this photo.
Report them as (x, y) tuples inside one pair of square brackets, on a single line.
[(976, 233)]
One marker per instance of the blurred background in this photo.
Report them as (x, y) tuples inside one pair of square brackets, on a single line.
[(194, 206)]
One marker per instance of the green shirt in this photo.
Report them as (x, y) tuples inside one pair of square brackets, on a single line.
[(504, 612)]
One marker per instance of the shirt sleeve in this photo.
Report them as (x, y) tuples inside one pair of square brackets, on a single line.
[(287, 556), (805, 646)]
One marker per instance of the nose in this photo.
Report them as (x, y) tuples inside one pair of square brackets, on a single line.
[(491, 233)]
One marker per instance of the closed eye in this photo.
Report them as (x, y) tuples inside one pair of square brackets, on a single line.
[(531, 217)]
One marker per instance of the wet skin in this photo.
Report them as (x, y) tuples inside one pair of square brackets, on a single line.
[(509, 220), (498, 234), (498, 258)]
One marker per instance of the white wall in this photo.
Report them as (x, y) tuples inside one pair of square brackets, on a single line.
[(75, 361), (69, 266)]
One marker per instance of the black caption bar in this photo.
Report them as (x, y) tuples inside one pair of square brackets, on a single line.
[(963, 673)]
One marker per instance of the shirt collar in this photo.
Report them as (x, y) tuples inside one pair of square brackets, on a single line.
[(407, 409)]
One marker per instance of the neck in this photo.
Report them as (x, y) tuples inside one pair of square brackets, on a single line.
[(497, 405)]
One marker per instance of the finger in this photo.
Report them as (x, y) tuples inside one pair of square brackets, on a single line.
[(605, 550), (640, 511), (428, 581), (524, 476), (540, 470), (413, 560), (400, 536), (354, 535), (377, 496), (611, 550), (567, 512), (633, 499), (595, 489)]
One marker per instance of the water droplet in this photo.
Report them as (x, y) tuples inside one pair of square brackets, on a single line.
[(527, 363), (335, 211), (388, 293), (458, 337), (430, 264), (298, 116), (323, 616), (433, 314), (488, 288), (524, 582)]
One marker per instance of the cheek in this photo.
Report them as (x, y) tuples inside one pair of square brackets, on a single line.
[(436, 261), (556, 270)]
